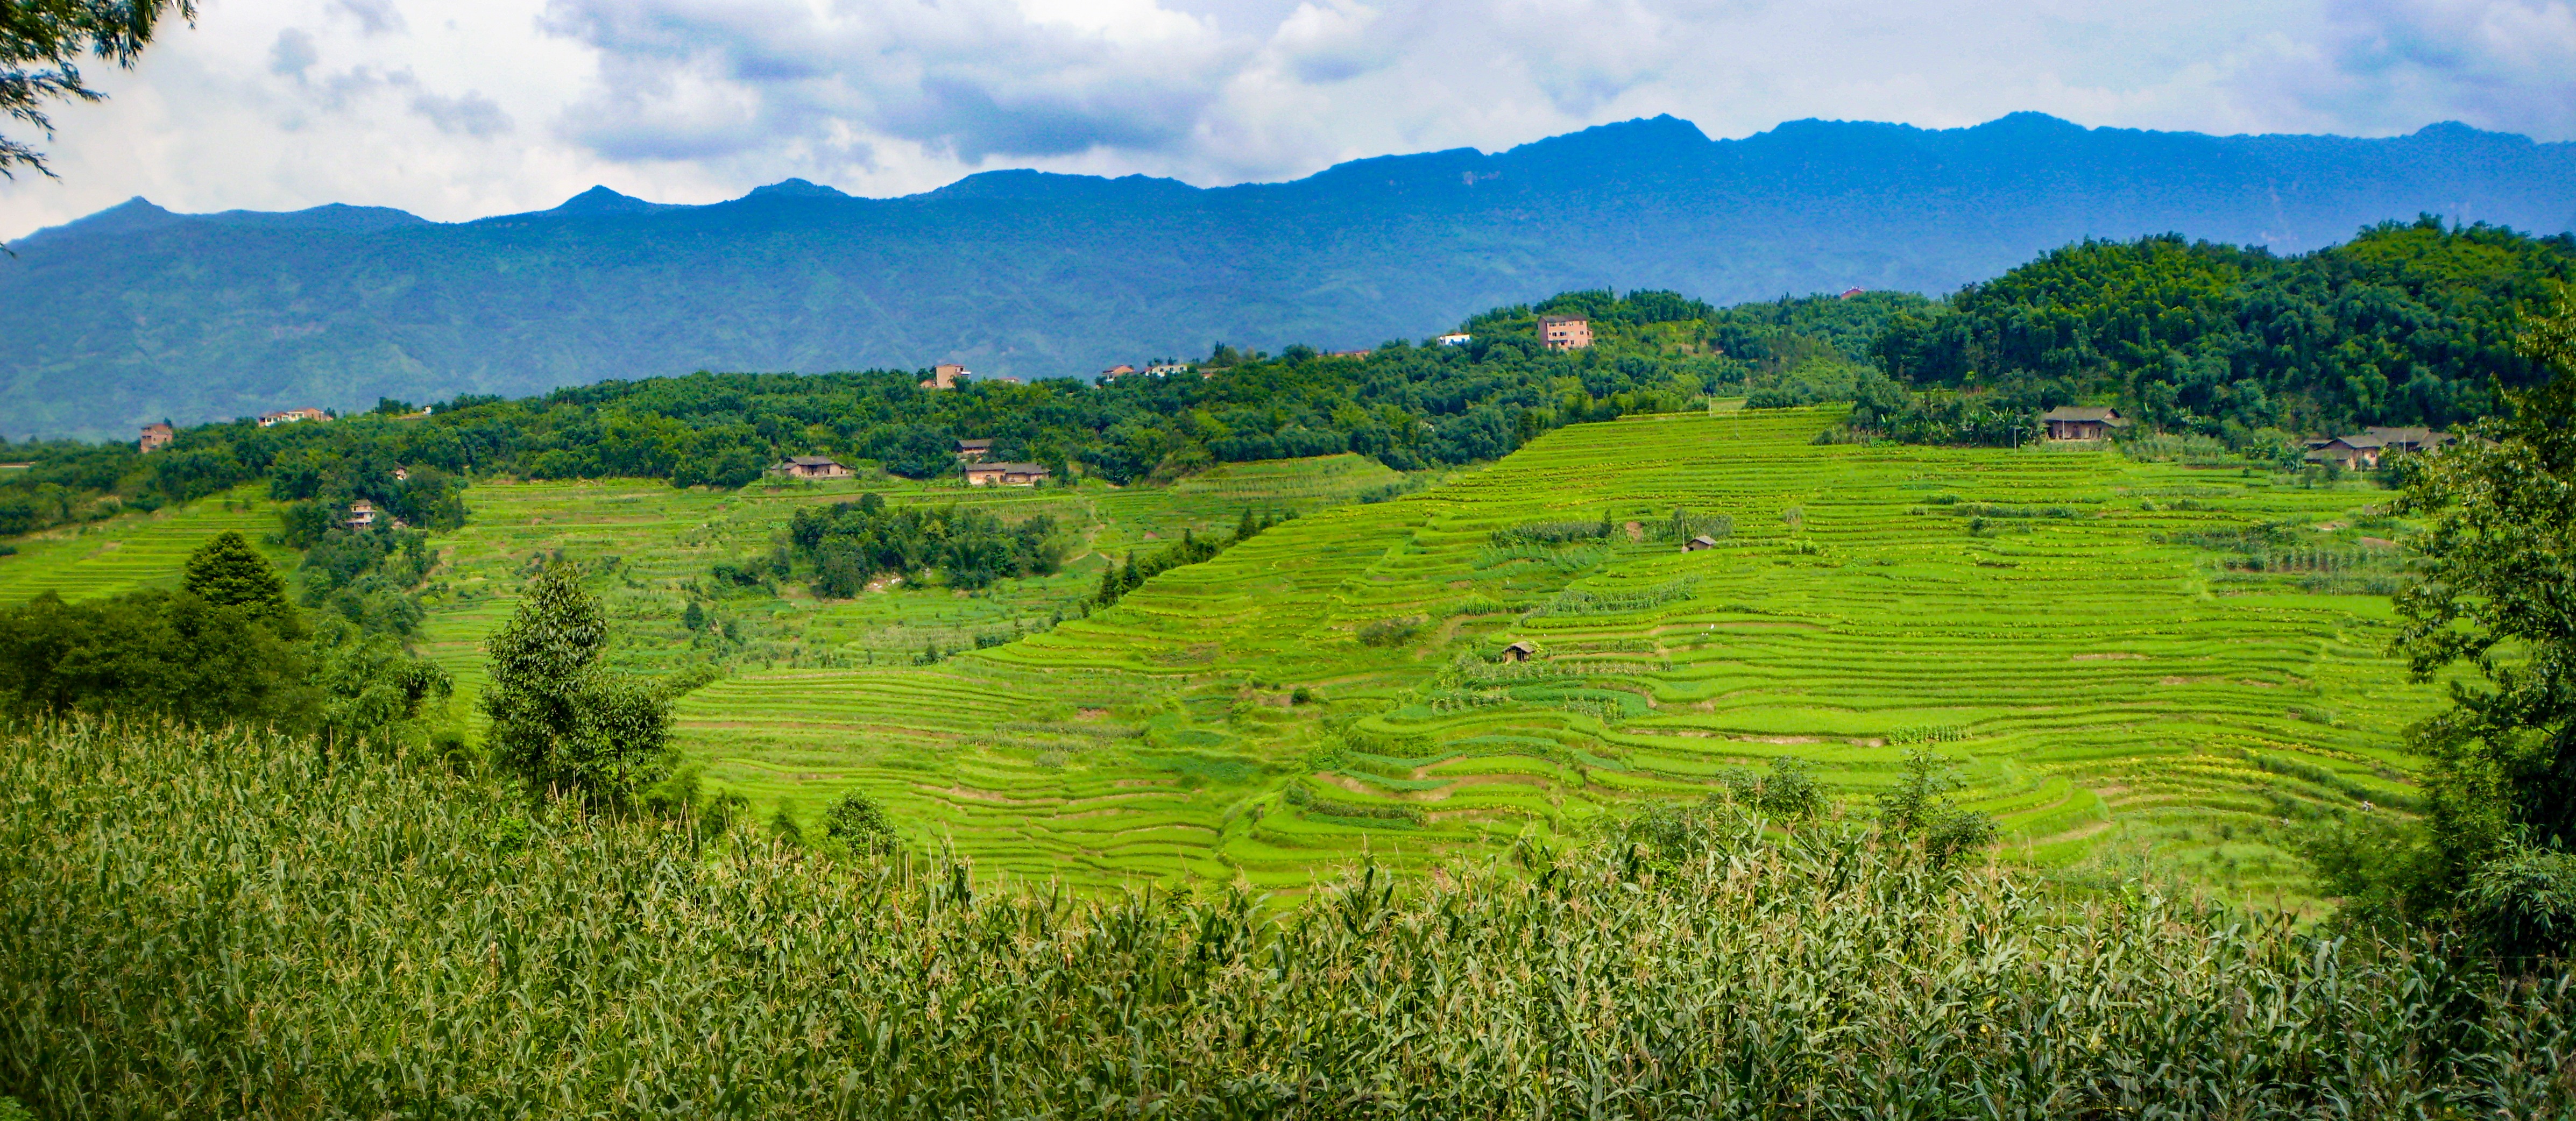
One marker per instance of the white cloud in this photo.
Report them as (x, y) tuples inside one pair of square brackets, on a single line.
[(483, 106)]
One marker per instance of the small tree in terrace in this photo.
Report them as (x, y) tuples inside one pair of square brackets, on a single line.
[(558, 720), (1920, 811)]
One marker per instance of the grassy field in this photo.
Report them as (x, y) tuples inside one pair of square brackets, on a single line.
[(132, 551), (2119, 701), (2118, 688), (651, 550)]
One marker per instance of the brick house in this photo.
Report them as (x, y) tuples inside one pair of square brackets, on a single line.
[(1565, 332), (155, 437), (2071, 422), (945, 376), (973, 451), (1005, 474), (810, 467)]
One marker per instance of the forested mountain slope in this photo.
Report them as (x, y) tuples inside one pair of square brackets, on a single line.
[(136, 314)]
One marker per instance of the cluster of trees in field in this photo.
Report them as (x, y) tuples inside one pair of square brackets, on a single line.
[(1409, 405), (232, 645), (849, 543), (2406, 324)]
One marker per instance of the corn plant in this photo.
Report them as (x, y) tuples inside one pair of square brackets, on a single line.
[(233, 924)]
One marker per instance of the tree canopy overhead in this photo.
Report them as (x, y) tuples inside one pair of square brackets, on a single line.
[(41, 45)]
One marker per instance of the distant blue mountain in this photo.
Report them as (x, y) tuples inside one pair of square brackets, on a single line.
[(135, 314)]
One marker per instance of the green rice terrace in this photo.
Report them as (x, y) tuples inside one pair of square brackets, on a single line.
[(2141, 667)]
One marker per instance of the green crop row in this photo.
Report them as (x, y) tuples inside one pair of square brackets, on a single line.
[(230, 924)]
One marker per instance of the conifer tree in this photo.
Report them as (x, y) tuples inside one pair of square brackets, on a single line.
[(227, 572)]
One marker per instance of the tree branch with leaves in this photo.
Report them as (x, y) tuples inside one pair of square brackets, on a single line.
[(41, 45)]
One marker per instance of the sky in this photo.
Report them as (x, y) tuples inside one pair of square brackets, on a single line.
[(464, 108)]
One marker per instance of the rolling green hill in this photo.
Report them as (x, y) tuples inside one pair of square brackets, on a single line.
[(2134, 662), (2117, 688)]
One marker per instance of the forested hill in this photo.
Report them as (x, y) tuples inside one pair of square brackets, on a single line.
[(137, 314), (1409, 406), (2406, 324)]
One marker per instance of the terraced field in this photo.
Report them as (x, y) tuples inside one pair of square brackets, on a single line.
[(131, 551), (2126, 698), (2117, 697), (651, 550)]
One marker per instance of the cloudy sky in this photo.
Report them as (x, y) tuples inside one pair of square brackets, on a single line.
[(462, 108)]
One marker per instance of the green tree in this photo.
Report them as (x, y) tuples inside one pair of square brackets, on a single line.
[(1920, 810), (559, 720), (227, 572), (41, 45), (2497, 561), (858, 823), (368, 683)]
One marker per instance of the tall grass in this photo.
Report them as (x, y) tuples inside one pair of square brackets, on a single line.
[(229, 924)]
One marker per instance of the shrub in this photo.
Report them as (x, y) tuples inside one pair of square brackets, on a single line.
[(1391, 632), (858, 823), (1919, 811)]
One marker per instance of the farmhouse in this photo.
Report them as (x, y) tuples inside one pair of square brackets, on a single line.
[(1116, 372), (1455, 338), (1703, 541), (1166, 369), (974, 451), (362, 514), (155, 437), (2070, 422), (1005, 474), (2358, 452), (1521, 651), (291, 416), (945, 376), (2409, 439), (1565, 332), (810, 467)]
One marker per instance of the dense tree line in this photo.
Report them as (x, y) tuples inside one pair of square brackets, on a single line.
[(1409, 405), (2406, 324), (849, 543), (2494, 855)]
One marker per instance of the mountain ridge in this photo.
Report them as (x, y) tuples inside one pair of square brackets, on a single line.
[(135, 313)]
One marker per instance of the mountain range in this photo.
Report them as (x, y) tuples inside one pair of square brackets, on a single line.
[(136, 314)]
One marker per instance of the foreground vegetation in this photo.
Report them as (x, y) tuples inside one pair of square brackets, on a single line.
[(223, 922)]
